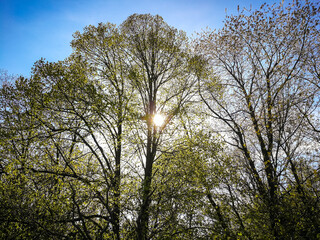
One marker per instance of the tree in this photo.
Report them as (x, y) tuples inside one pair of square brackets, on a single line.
[(261, 61), (66, 94), (32, 205), (159, 72), (102, 47)]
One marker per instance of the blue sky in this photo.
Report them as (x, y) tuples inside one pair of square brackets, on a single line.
[(34, 29)]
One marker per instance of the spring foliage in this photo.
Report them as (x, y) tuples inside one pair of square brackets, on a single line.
[(234, 157)]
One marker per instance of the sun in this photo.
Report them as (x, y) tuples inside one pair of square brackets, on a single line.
[(158, 119)]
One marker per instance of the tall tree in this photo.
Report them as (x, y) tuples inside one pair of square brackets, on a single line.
[(103, 48), (260, 59), (159, 60)]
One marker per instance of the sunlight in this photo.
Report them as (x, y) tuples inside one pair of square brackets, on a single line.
[(158, 119)]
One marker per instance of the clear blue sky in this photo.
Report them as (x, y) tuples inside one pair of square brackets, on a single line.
[(34, 29)]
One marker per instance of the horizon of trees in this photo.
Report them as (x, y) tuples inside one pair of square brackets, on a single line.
[(237, 154)]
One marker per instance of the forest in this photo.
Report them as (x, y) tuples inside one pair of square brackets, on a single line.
[(146, 133)]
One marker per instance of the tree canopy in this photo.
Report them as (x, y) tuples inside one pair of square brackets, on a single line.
[(235, 155)]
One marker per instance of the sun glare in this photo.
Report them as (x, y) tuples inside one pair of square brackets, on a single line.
[(158, 119)]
